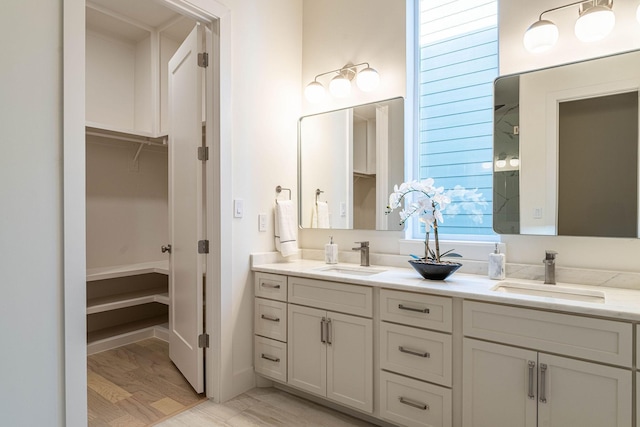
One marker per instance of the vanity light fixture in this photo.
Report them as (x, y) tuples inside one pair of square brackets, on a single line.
[(595, 21), (367, 80)]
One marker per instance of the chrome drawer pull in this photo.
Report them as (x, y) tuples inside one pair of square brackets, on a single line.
[(415, 404), (270, 285), (543, 383), (271, 358), (532, 367), (414, 352), (271, 318), (329, 332), (418, 310)]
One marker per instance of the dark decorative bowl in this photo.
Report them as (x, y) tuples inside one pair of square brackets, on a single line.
[(433, 270)]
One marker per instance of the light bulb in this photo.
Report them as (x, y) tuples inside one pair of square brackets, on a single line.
[(501, 163), (595, 24), (514, 161), (368, 79), (540, 36), (340, 86), (314, 92)]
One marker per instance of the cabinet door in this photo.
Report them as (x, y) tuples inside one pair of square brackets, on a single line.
[(186, 213), (350, 361), (577, 393), (307, 353), (499, 386)]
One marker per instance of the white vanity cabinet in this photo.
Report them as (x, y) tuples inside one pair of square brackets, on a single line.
[(330, 341), (517, 382), (415, 359)]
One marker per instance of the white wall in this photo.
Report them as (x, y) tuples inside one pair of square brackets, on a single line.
[(31, 233), (265, 92)]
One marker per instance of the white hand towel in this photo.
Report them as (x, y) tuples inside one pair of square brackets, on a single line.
[(322, 215), (286, 228)]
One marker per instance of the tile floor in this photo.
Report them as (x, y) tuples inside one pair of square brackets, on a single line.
[(262, 407)]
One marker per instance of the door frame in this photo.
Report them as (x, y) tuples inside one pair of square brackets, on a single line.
[(73, 382)]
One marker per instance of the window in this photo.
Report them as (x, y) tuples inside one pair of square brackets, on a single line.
[(456, 63)]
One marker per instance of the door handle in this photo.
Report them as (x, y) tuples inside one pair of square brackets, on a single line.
[(329, 332), (165, 248), (322, 337), (543, 383), (532, 367)]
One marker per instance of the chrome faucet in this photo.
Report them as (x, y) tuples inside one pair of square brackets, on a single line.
[(550, 267), (364, 253)]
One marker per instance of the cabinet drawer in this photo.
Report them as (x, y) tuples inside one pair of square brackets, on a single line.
[(415, 352), (410, 402), (600, 340), (272, 286), (270, 358), (423, 311), (340, 297), (270, 319)]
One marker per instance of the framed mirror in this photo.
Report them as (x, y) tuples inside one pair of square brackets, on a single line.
[(566, 149), (348, 162)]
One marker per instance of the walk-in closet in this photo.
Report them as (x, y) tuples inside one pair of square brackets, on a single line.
[(145, 63)]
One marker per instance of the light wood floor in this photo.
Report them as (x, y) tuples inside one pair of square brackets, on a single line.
[(262, 407), (136, 385)]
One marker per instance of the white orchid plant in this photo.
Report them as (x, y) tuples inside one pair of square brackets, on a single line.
[(430, 205)]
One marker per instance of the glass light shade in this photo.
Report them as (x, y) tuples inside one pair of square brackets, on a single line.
[(540, 36), (314, 92), (501, 163), (340, 86), (595, 24), (515, 162), (368, 79)]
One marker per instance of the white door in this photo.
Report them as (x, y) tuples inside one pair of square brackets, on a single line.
[(186, 213), (306, 349), (350, 361), (577, 393), (499, 386)]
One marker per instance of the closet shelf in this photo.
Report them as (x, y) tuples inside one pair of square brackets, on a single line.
[(129, 299), (160, 267), (125, 328)]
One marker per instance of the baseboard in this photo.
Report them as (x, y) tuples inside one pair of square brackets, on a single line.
[(116, 341)]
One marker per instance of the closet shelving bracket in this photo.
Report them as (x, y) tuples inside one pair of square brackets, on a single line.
[(139, 138)]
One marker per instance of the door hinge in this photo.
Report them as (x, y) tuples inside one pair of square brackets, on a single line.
[(203, 246), (203, 153), (203, 341), (203, 60)]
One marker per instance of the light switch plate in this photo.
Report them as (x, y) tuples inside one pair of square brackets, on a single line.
[(238, 208), (262, 222)]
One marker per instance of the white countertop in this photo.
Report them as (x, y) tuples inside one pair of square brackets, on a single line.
[(619, 303)]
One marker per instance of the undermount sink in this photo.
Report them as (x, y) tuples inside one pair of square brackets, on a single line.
[(354, 271), (550, 291)]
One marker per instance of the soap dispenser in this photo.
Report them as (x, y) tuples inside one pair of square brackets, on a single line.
[(331, 252), (496, 265)]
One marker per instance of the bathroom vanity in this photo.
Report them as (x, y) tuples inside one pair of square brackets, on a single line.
[(393, 348)]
